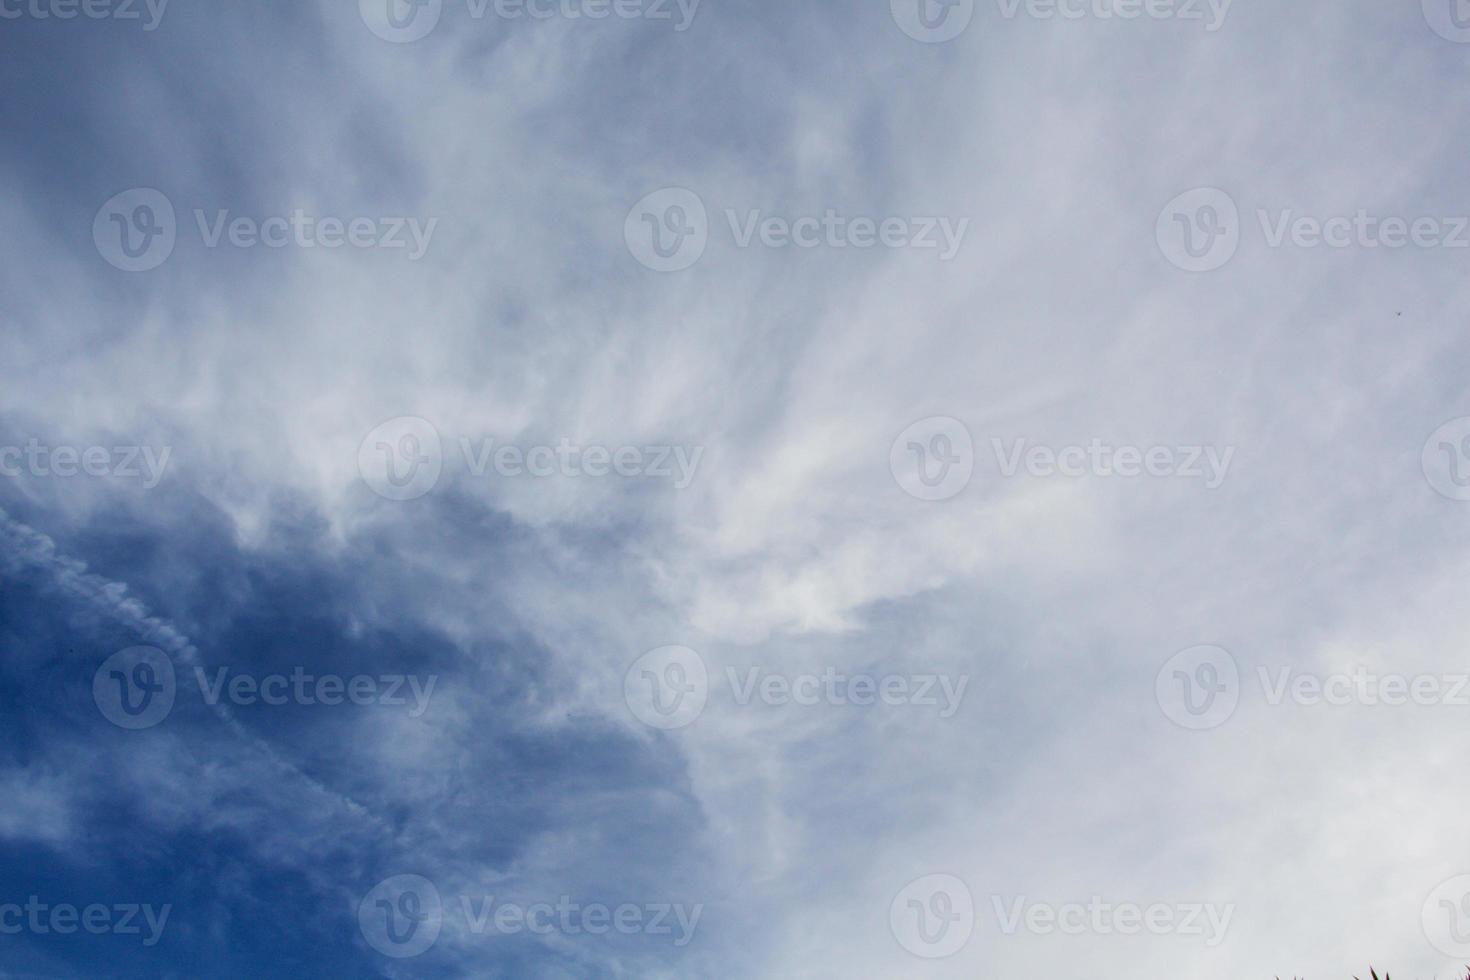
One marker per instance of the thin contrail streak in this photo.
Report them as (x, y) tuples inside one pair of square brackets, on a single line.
[(22, 547)]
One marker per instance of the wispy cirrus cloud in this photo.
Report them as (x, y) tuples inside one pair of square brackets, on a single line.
[(847, 418)]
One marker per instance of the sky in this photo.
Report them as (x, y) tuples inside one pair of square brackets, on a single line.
[(734, 489)]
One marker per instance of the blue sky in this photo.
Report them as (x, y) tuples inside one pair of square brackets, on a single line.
[(736, 489)]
